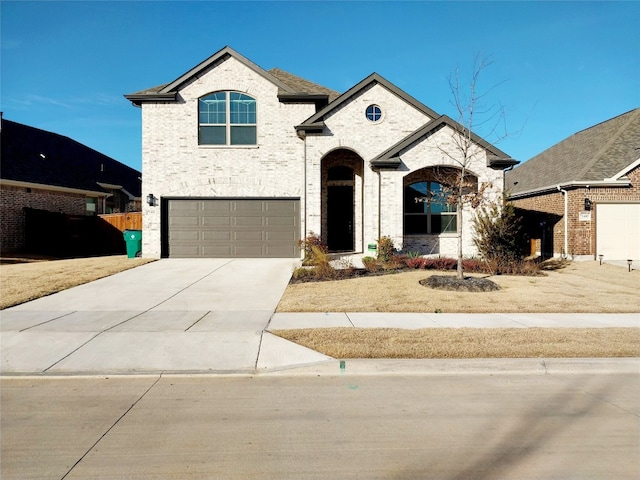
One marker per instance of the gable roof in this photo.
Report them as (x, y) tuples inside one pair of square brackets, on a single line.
[(316, 121), (390, 158), (35, 156), (290, 87), (602, 154)]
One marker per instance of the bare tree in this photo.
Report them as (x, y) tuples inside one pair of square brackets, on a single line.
[(460, 188)]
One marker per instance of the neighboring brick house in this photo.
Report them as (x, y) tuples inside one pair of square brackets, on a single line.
[(582, 196), (46, 171), (240, 161)]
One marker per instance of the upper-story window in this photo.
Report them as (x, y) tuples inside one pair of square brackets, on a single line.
[(373, 113), (227, 118)]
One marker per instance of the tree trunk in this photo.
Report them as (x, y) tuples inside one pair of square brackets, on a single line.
[(459, 234)]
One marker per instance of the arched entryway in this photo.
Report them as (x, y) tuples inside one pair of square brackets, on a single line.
[(342, 200)]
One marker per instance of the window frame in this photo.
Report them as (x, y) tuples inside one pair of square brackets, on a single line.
[(376, 115), (449, 211), (228, 115)]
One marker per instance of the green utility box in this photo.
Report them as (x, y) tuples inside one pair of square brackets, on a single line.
[(133, 239), (372, 249)]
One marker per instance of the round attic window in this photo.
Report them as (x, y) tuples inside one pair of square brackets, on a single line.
[(374, 113)]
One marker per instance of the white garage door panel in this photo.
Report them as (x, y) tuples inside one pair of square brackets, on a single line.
[(233, 228), (618, 231)]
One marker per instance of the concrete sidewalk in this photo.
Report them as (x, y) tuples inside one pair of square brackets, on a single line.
[(282, 321)]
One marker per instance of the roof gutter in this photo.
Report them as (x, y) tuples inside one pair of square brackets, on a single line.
[(54, 188), (623, 182), (139, 99)]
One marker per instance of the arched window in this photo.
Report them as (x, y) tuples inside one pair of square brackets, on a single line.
[(227, 118), (426, 210)]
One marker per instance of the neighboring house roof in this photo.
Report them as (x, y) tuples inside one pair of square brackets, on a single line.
[(38, 157), (290, 87), (390, 158), (600, 155)]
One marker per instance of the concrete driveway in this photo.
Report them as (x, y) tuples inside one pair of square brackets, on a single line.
[(170, 315)]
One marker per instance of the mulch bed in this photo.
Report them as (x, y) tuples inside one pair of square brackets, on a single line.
[(468, 284)]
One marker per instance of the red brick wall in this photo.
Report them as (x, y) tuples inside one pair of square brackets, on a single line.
[(14, 199), (582, 234)]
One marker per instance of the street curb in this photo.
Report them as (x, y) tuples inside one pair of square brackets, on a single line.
[(386, 367)]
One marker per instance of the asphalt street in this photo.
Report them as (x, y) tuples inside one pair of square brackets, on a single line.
[(342, 426)]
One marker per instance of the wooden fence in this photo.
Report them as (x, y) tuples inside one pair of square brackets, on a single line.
[(124, 221)]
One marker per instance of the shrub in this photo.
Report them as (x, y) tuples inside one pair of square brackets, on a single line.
[(500, 238), (415, 262), (395, 262), (303, 273), (312, 244), (385, 249), (474, 265), (440, 263), (371, 264)]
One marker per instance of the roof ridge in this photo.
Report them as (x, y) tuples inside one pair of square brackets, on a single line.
[(596, 158)]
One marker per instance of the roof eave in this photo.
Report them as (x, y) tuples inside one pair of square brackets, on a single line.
[(302, 98), (386, 163), (317, 127), (55, 188), (500, 163), (622, 182), (139, 99)]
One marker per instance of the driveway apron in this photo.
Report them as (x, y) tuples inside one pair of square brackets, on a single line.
[(173, 315)]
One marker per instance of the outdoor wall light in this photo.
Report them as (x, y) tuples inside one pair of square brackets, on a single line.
[(151, 200), (587, 204), (600, 257), (629, 262)]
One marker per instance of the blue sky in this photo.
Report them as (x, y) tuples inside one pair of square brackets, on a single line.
[(558, 67)]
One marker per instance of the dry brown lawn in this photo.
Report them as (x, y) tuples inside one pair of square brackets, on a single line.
[(28, 280), (469, 342), (578, 287)]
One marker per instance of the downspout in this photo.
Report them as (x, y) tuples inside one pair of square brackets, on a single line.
[(377, 170), (304, 188), (566, 221)]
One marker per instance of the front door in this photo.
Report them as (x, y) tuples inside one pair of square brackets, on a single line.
[(340, 218)]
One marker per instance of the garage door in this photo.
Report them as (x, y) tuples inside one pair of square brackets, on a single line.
[(618, 231), (233, 228)]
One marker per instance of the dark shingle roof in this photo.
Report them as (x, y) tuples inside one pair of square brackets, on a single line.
[(288, 84), (37, 156), (594, 154), (302, 86)]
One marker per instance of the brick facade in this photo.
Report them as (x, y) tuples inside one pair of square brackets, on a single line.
[(13, 200), (581, 238), (284, 164)]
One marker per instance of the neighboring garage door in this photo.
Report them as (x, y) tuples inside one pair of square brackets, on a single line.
[(618, 231), (233, 228)]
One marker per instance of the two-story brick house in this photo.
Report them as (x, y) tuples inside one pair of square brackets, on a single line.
[(240, 161)]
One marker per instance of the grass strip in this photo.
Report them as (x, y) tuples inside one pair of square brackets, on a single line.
[(468, 342)]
